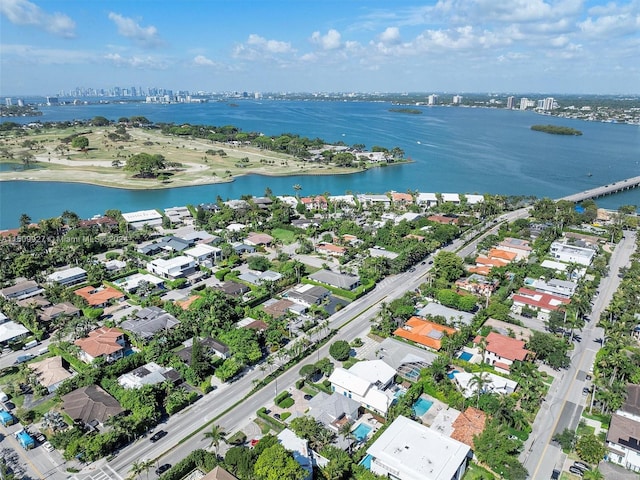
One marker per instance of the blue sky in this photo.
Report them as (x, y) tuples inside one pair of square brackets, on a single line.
[(546, 46)]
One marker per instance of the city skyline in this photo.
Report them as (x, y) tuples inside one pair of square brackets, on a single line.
[(458, 46)]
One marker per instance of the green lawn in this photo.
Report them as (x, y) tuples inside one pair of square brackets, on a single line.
[(476, 472), (285, 236)]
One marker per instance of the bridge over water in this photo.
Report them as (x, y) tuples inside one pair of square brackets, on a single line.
[(604, 190)]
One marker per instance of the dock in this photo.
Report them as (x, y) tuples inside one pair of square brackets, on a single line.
[(604, 190)]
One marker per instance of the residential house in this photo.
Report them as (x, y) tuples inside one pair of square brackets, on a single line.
[(451, 198), (307, 294), (140, 219), (408, 450), (21, 290), (105, 342), (233, 289), (572, 254), (178, 214), (499, 254), (509, 329), (177, 267), (338, 280), (11, 331), (174, 244), (34, 302), (334, 410), (570, 271), (314, 203), (219, 473), (427, 199), (501, 351), (258, 239), (424, 332), (382, 252), (402, 199), (241, 248), (210, 346), (149, 321), (68, 277), (468, 424), (54, 311), (561, 288), (133, 282), (91, 405), (493, 384), (516, 245), (50, 372), (148, 374), (258, 278), (204, 254), (477, 284), (300, 450), (369, 200), (543, 303), (330, 249), (443, 219), (277, 308), (451, 315), (623, 437), (99, 297), (370, 394)]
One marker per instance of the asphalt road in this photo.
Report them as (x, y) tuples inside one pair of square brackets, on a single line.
[(564, 403)]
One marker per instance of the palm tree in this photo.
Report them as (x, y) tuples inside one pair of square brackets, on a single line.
[(215, 436), (146, 466), (136, 468), (479, 381), (593, 475)]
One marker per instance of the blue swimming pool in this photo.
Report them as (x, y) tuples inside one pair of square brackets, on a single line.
[(362, 431), (452, 373), (466, 356), (366, 462), (421, 406)]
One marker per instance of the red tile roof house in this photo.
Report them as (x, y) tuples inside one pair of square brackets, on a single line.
[(108, 343), (315, 203), (501, 351), (443, 220), (256, 239), (543, 303), (402, 198), (330, 249)]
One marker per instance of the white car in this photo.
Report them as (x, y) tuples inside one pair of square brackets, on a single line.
[(48, 447)]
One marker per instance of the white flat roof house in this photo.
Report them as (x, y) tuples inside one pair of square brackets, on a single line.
[(428, 199), (141, 218), (203, 252), (70, 276), (176, 267), (407, 450), (369, 394), (571, 253), (495, 384)]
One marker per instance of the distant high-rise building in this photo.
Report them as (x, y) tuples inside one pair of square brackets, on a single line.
[(526, 103), (457, 99), (8, 102), (511, 102), (549, 103), (433, 99), (20, 102), (540, 105), (52, 101)]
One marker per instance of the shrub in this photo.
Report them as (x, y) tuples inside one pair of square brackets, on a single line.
[(300, 383), (285, 415), (281, 396), (340, 350), (286, 403)]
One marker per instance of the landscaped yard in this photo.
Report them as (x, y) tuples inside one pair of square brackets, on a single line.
[(285, 236), (476, 472)]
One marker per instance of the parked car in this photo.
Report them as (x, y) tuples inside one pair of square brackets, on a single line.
[(555, 475), (163, 468), (157, 436), (576, 471), (308, 397), (586, 391), (581, 465), (48, 447), (276, 416), (23, 358)]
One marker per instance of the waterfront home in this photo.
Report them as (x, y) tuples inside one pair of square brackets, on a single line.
[(149, 321), (21, 290), (424, 332), (428, 200), (622, 443), (68, 277), (148, 374), (178, 214), (501, 351), (571, 253), (91, 405), (105, 342), (140, 219), (543, 303), (408, 450), (314, 203), (402, 199), (99, 297), (369, 200), (172, 268)]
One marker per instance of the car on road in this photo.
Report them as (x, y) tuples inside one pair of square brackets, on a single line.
[(430, 262), (412, 269), (555, 475), (163, 468), (23, 358), (157, 436), (576, 471), (48, 447)]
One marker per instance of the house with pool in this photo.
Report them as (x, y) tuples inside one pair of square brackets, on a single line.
[(501, 351), (408, 450), (493, 383)]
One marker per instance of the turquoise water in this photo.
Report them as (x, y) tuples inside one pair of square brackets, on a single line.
[(451, 374), (362, 431), (466, 356), (366, 462), (421, 406), (472, 150)]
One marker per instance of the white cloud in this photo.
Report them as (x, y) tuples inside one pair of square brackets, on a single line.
[(44, 56), (260, 48), (202, 61), (611, 25), (391, 36), (136, 61), (271, 46), (23, 12), (330, 41), (127, 27)]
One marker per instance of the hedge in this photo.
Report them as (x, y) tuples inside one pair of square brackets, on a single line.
[(285, 415), (281, 396), (286, 403), (200, 459), (272, 422), (300, 383)]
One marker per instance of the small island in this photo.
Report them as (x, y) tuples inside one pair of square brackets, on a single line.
[(556, 130), (410, 111)]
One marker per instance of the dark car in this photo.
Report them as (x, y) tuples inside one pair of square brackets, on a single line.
[(582, 466), (162, 468), (586, 391), (157, 436), (308, 397), (555, 475), (430, 262), (276, 416), (576, 471)]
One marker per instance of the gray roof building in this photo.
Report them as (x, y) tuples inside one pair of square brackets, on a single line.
[(90, 404), (339, 280), (150, 321)]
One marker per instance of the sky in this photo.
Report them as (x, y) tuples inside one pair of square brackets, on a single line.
[(510, 46)]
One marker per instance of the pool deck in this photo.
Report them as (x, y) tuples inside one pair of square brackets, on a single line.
[(433, 412)]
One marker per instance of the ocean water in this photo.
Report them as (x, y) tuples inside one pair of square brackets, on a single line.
[(468, 150)]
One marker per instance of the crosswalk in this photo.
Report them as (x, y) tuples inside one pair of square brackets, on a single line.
[(103, 473)]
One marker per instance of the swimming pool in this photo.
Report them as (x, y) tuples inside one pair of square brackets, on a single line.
[(466, 356), (452, 374), (366, 462), (421, 406), (362, 431)]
